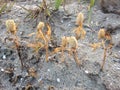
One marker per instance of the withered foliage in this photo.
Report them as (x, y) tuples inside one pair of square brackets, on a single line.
[(12, 29), (36, 46), (79, 31), (32, 72), (104, 36), (80, 19), (95, 45), (69, 44), (42, 39), (11, 26)]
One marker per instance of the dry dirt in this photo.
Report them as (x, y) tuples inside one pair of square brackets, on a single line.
[(54, 75)]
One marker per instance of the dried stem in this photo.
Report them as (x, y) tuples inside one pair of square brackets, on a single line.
[(18, 51), (76, 57), (104, 58), (46, 47)]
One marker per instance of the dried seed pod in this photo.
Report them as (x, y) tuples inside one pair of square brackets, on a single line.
[(40, 26), (108, 36), (11, 26), (39, 34), (72, 41), (80, 19), (101, 34)]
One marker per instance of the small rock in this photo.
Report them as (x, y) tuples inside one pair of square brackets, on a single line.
[(48, 70), (58, 80), (2, 69), (86, 72), (4, 57)]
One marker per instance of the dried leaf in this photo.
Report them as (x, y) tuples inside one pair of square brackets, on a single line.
[(80, 33), (40, 26), (64, 42), (58, 49), (72, 42), (36, 46), (48, 33), (31, 34), (95, 46), (32, 72), (108, 36)]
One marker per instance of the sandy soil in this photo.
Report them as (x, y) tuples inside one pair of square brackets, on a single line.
[(54, 75)]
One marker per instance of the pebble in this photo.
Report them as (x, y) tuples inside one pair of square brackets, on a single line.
[(40, 79), (2, 69), (86, 71), (4, 57), (48, 70), (58, 80)]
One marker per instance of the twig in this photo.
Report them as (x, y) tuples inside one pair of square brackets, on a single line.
[(104, 58)]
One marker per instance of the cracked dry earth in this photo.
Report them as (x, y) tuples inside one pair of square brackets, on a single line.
[(54, 75)]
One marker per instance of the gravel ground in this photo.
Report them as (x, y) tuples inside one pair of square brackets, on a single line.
[(54, 75)]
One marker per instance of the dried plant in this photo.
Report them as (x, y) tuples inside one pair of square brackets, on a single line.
[(42, 12), (43, 38), (79, 31), (32, 72), (29, 86), (36, 46), (80, 19), (11, 26), (104, 36), (101, 34), (48, 33), (69, 44), (39, 34), (95, 45)]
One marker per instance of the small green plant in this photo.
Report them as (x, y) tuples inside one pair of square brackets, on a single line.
[(57, 4), (92, 2)]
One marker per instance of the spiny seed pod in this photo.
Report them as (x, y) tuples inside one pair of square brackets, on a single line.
[(80, 19), (11, 26), (72, 41), (39, 34), (40, 26), (101, 34)]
